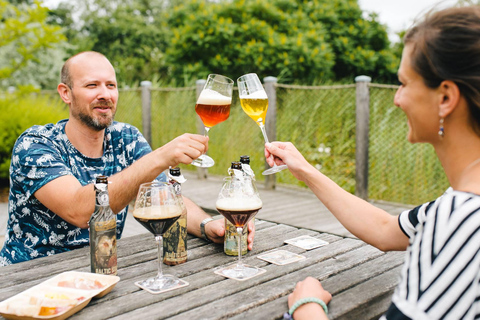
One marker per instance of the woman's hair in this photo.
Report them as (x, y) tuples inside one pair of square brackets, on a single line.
[(446, 46)]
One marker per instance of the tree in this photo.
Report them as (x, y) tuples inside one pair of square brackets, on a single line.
[(25, 38), (296, 40)]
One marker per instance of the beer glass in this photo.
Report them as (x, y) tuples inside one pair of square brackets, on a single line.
[(239, 201), (254, 101), (213, 107), (157, 208)]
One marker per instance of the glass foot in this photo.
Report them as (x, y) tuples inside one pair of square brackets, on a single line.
[(203, 161), (157, 284), (240, 273), (274, 169)]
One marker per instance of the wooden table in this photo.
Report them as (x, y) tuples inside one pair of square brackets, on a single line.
[(360, 277)]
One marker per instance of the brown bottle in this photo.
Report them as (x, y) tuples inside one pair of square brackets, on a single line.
[(103, 232), (175, 239), (230, 244)]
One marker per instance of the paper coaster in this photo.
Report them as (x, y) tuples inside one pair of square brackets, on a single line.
[(181, 284), (227, 272), (306, 242), (281, 257)]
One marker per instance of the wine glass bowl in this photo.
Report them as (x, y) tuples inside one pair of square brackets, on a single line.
[(213, 106), (254, 102), (157, 208)]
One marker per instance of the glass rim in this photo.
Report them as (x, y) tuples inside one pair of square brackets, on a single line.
[(242, 78), (154, 184), (214, 77)]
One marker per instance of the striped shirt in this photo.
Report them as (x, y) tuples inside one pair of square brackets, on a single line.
[(441, 274)]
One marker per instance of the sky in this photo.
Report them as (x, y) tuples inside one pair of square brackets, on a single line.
[(397, 15)]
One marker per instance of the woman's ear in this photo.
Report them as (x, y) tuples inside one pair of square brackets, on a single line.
[(65, 93), (450, 96)]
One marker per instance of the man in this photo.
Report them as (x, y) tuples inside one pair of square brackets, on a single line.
[(53, 167)]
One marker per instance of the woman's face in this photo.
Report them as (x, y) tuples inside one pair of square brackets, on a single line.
[(420, 103)]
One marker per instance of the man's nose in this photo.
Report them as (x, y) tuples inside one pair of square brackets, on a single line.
[(104, 93)]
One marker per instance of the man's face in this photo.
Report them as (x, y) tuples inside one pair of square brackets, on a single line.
[(94, 94)]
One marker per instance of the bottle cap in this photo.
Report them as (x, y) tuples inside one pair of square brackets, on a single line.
[(245, 159), (175, 174)]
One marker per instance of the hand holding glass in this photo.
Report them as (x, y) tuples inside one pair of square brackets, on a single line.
[(213, 107), (254, 101), (239, 201), (157, 208)]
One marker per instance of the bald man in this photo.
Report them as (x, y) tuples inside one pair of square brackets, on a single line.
[(54, 166)]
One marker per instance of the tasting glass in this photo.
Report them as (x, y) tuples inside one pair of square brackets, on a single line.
[(157, 207), (213, 107), (254, 101)]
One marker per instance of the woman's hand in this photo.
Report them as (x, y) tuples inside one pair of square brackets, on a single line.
[(310, 287)]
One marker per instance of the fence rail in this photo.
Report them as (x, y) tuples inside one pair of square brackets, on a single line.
[(353, 133)]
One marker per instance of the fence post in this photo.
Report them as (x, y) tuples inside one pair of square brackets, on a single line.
[(361, 140), (147, 111), (271, 122), (202, 173)]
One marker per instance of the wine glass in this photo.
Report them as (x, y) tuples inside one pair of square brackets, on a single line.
[(239, 201), (157, 208), (213, 107), (254, 101)]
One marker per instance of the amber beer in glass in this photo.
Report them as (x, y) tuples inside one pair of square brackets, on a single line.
[(213, 107)]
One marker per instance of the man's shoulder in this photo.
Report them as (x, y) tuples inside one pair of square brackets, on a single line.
[(124, 131), (48, 130)]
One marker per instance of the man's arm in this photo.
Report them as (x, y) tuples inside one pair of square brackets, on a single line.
[(214, 230), (74, 203)]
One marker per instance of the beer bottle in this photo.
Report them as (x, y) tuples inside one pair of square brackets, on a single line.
[(175, 239), (103, 232), (230, 244)]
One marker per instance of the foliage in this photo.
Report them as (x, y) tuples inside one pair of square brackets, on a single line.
[(24, 110), (127, 32), (295, 40), (25, 39), (302, 41)]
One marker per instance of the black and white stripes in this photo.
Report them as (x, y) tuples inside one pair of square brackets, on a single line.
[(441, 275)]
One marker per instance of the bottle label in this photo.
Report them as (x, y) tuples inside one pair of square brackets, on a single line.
[(230, 245), (103, 247), (175, 242)]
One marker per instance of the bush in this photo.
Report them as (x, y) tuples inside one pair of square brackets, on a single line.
[(21, 111)]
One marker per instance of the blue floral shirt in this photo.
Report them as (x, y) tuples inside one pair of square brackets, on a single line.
[(42, 154)]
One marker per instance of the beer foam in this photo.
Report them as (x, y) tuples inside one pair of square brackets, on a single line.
[(239, 204), (157, 212), (260, 94), (211, 97)]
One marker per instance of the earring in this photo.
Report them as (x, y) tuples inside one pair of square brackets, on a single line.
[(441, 130)]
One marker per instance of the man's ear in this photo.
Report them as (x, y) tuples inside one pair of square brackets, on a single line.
[(65, 93), (450, 96)]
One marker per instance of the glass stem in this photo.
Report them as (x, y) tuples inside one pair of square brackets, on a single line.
[(264, 132), (159, 240), (239, 239)]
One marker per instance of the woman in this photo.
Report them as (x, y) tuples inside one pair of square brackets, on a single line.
[(440, 95)]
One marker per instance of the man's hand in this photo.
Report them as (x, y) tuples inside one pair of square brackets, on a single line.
[(215, 231), (182, 149)]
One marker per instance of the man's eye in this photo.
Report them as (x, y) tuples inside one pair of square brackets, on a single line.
[(91, 85)]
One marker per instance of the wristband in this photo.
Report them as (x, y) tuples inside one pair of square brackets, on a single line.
[(303, 301), (202, 228)]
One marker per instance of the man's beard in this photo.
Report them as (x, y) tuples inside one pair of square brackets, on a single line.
[(97, 123)]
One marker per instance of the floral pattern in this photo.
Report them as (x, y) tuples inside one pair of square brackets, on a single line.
[(42, 154)]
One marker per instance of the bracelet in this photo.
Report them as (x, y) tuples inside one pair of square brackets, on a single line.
[(202, 228), (303, 301)]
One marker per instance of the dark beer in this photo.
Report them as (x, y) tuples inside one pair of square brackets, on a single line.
[(157, 220), (239, 210)]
